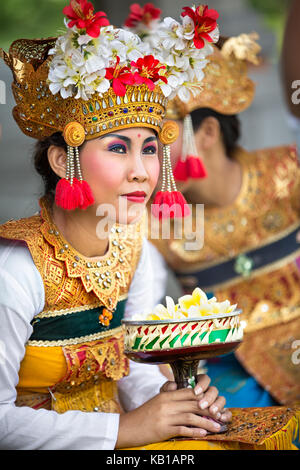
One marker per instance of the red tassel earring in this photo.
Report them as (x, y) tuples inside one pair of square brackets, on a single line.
[(169, 202), (87, 198), (73, 193), (190, 164)]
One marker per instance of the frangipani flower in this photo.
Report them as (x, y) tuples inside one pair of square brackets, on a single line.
[(186, 301)]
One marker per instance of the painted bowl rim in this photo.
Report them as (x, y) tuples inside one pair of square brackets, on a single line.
[(183, 320)]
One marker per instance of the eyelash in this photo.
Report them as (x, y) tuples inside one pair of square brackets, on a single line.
[(120, 148), (152, 149)]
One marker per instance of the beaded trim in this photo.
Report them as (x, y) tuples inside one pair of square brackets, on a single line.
[(81, 339), (108, 276)]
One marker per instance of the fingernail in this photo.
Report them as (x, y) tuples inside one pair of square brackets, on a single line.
[(202, 432), (214, 409), (217, 425), (218, 415), (203, 405), (197, 390)]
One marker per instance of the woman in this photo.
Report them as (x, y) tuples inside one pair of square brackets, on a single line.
[(251, 218), (71, 273)]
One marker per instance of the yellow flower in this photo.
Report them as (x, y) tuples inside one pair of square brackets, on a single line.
[(187, 301)]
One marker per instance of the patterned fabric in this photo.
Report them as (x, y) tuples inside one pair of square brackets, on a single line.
[(76, 352), (266, 209)]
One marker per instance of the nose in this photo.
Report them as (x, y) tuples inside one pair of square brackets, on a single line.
[(137, 171)]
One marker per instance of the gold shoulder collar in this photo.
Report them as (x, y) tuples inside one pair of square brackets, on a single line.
[(109, 276)]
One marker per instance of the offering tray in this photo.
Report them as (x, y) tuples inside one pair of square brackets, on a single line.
[(182, 343)]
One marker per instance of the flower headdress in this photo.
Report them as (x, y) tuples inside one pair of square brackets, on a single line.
[(96, 78), (183, 46)]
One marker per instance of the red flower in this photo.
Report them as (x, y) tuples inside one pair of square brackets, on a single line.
[(143, 15), (205, 21), (148, 71), (120, 76), (81, 14)]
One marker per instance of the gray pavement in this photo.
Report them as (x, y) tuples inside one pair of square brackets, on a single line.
[(263, 125)]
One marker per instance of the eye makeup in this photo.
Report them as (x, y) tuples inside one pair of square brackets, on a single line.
[(117, 146), (150, 149)]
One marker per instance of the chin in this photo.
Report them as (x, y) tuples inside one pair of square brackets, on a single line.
[(131, 217)]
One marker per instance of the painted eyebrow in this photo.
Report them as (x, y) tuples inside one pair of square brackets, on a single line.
[(150, 139), (122, 137), (127, 140)]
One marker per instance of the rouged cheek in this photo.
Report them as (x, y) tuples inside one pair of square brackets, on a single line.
[(153, 169), (102, 172)]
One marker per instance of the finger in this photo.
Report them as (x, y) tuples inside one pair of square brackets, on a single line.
[(209, 398), (195, 421), (226, 416), (217, 407), (183, 394), (184, 431), (202, 385), (169, 387)]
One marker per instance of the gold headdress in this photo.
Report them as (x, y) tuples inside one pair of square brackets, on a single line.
[(226, 88), (94, 79)]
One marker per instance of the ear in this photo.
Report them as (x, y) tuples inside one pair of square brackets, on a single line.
[(209, 133), (57, 158)]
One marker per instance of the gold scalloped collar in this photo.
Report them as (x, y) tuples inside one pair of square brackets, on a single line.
[(110, 276)]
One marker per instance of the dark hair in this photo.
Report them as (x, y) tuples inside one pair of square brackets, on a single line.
[(41, 162), (229, 124)]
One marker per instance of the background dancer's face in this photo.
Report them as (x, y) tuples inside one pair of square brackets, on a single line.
[(122, 169)]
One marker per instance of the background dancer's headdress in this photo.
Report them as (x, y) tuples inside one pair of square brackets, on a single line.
[(226, 89), (96, 78)]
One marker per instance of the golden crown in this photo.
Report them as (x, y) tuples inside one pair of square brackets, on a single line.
[(39, 113)]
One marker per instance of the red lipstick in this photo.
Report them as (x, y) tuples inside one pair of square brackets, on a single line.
[(136, 196)]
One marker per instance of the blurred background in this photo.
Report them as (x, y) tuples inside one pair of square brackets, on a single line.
[(263, 125)]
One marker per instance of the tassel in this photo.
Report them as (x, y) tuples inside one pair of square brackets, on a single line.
[(68, 195), (169, 203), (195, 167), (87, 198), (189, 165), (282, 439), (87, 195), (73, 193), (180, 171)]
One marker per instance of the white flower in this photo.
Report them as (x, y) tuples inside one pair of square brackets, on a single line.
[(94, 63), (188, 28), (170, 35)]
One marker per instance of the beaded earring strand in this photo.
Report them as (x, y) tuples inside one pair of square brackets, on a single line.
[(189, 164)]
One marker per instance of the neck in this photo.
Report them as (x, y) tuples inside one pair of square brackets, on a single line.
[(79, 228), (222, 184)]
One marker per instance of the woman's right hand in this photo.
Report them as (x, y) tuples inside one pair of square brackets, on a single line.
[(167, 415)]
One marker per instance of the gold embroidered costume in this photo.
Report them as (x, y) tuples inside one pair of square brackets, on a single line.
[(84, 351), (250, 249), (75, 354)]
